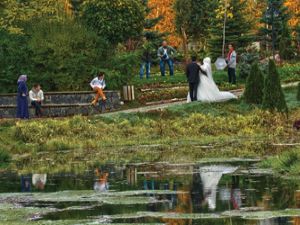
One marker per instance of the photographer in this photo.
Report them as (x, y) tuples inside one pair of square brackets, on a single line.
[(166, 54)]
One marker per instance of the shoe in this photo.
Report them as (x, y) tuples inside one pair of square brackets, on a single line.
[(94, 103)]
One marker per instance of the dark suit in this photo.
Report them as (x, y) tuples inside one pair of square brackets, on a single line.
[(192, 73)]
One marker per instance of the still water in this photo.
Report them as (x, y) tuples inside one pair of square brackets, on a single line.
[(161, 193)]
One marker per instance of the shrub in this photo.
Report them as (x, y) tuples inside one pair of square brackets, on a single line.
[(254, 86), (273, 94), (298, 94), (124, 64)]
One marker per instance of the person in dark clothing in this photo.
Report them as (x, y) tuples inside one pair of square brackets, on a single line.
[(146, 59), (22, 101), (193, 77)]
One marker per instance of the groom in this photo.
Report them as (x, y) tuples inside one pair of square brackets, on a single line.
[(193, 76)]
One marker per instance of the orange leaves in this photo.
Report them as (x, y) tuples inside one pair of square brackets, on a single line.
[(167, 24), (294, 8)]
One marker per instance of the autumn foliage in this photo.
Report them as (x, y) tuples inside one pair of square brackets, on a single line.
[(167, 24), (294, 8)]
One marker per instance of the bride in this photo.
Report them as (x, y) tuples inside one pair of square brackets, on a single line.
[(208, 91)]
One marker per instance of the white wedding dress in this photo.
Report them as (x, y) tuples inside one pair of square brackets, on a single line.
[(210, 177), (208, 91)]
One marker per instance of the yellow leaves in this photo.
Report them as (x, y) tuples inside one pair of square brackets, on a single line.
[(224, 8)]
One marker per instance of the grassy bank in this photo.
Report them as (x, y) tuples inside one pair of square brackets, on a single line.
[(185, 133), (285, 163)]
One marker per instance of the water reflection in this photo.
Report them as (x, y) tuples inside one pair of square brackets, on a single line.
[(296, 220), (274, 221), (101, 183), (201, 189), (37, 180), (211, 176)]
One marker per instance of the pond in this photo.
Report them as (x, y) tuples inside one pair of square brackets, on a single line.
[(152, 193)]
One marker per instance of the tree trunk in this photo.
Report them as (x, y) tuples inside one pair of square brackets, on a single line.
[(185, 45), (224, 32), (68, 8)]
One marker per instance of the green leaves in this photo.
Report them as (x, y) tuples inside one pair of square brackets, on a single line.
[(116, 21)]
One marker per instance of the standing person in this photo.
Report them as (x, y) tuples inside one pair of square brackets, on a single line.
[(231, 63), (98, 85), (146, 59), (193, 76), (166, 54), (36, 96), (22, 101)]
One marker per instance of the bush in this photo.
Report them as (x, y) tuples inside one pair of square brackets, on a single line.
[(254, 86), (273, 94), (124, 65), (298, 94)]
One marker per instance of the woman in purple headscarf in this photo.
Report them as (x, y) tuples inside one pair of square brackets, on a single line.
[(22, 101)]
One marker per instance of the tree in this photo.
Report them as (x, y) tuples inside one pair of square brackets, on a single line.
[(286, 48), (193, 20), (275, 19), (298, 94), (155, 37), (166, 25), (294, 9), (14, 59), (237, 28), (254, 86), (15, 14), (116, 21), (273, 94), (150, 22)]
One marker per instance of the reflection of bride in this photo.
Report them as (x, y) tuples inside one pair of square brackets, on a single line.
[(210, 177), (208, 91)]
